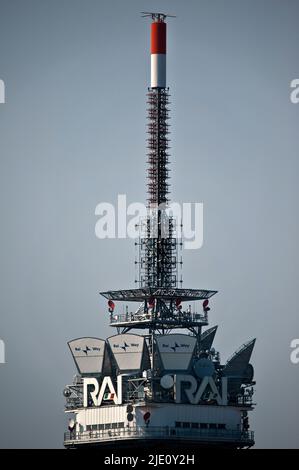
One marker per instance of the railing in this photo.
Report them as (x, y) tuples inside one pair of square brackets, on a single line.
[(165, 432), (243, 400), (74, 403), (184, 317)]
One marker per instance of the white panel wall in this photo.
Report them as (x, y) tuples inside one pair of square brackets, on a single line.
[(162, 415), (127, 350), (175, 350), (168, 414), (88, 354), (102, 415)]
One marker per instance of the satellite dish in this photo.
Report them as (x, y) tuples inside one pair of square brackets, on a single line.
[(166, 381), (204, 368)]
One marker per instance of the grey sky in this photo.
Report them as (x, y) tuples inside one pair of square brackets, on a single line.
[(72, 134)]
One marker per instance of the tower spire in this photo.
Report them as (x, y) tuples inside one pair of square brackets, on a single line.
[(158, 242), (159, 294)]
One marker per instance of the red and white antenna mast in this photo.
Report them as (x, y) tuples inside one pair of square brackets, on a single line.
[(158, 254), (158, 48)]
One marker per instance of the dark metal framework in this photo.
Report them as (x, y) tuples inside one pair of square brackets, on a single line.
[(159, 240), (158, 130), (156, 16), (140, 295), (158, 244)]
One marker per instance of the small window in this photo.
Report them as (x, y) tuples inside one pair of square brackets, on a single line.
[(121, 425), (178, 424), (114, 425), (203, 426), (88, 427), (194, 425), (108, 426), (94, 427), (186, 425), (221, 426), (100, 427), (213, 426)]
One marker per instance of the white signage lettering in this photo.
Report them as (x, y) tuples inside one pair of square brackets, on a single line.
[(106, 392), (194, 392), (94, 394)]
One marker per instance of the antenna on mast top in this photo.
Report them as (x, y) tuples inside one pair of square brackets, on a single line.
[(156, 16)]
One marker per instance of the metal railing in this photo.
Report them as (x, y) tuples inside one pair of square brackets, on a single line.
[(242, 400), (184, 317), (137, 396), (73, 403), (161, 432)]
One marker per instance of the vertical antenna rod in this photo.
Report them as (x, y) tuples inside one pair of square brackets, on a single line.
[(158, 251)]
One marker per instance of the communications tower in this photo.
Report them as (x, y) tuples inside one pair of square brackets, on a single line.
[(159, 381)]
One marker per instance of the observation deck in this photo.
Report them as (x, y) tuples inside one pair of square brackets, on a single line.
[(145, 320)]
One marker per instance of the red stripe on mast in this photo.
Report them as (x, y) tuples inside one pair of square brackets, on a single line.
[(158, 37)]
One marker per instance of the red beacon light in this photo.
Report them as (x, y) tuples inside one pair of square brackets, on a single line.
[(178, 304), (205, 306), (111, 306), (147, 417)]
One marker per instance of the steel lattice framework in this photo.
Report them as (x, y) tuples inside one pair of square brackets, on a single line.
[(158, 253), (160, 286), (158, 130)]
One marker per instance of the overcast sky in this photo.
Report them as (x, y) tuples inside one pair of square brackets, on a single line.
[(72, 134)]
